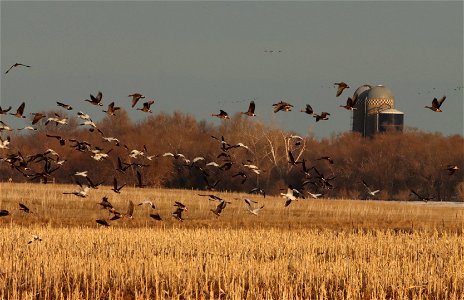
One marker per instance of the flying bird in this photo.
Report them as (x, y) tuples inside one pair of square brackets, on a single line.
[(148, 203), (251, 110), (115, 188), (24, 208), (221, 115), (309, 110), (341, 87), (136, 97), (19, 111), (16, 65), (421, 197), (156, 216), (257, 190), (250, 208), (323, 116), (436, 104), (146, 106), (219, 208), (96, 100), (350, 103), (4, 213), (65, 106), (102, 222), (4, 111), (452, 169), (369, 191), (283, 106), (111, 109)]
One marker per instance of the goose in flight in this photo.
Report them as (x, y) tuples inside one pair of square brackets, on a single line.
[(257, 190), (219, 208), (421, 197), (314, 196), (24, 208), (341, 86), (156, 217), (368, 189), (323, 116), (283, 106), (289, 195), (135, 98), (115, 188), (65, 106), (452, 169), (221, 115), (105, 204), (251, 110), (436, 104), (57, 119), (179, 210), (146, 106), (102, 222), (19, 111), (147, 202), (111, 109), (251, 209), (96, 100), (16, 65), (83, 174), (83, 116), (59, 138), (4, 126), (309, 110), (4, 143), (350, 103), (82, 192), (4, 111)]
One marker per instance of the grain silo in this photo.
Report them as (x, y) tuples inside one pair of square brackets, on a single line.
[(375, 110)]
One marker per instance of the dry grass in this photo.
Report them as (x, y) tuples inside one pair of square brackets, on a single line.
[(313, 249)]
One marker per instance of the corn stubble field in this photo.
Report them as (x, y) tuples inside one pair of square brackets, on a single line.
[(313, 249)]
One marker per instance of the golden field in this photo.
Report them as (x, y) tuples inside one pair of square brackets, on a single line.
[(313, 249)]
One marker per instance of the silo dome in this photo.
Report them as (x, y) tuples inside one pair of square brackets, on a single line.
[(380, 92)]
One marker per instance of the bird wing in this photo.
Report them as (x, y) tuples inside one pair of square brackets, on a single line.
[(442, 99), (251, 108)]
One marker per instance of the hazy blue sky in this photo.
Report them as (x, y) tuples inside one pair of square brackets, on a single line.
[(200, 57)]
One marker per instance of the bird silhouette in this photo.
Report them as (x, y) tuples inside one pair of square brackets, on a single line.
[(436, 104)]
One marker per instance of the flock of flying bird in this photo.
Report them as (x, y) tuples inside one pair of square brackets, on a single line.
[(51, 160)]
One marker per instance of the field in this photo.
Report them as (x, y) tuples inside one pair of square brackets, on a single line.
[(312, 249)]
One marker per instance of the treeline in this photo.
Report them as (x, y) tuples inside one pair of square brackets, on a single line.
[(395, 163)]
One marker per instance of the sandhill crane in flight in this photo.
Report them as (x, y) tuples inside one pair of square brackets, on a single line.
[(436, 104), (251, 110), (16, 65), (341, 86)]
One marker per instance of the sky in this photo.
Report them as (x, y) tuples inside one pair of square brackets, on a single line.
[(200, 57)]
